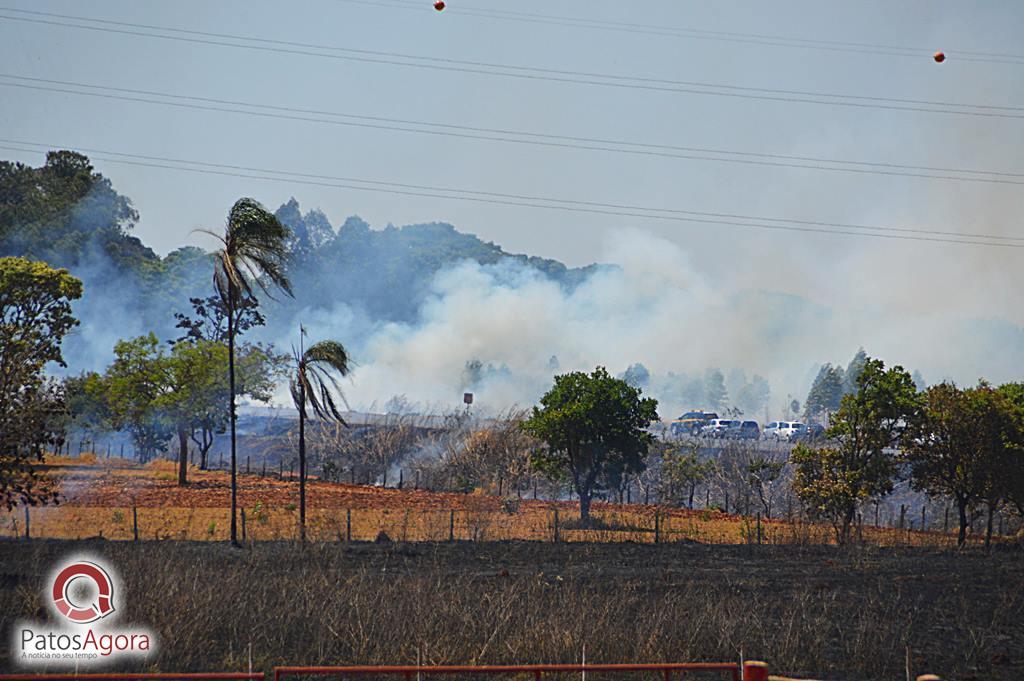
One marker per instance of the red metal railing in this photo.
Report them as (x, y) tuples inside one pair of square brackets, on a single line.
[(215, 676), (413, 673)]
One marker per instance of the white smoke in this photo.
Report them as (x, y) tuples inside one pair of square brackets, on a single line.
[(656, 307)]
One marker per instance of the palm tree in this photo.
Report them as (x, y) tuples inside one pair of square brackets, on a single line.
[(314, 384), (252, 255)]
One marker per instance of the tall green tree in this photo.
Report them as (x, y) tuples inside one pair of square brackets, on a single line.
[(134, 389), (826, 392), (35, 315), (833, 481), (252, 257), (595, 427), (714, 389), (314, 386)]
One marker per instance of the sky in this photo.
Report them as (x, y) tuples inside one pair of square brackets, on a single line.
[(897, 294)]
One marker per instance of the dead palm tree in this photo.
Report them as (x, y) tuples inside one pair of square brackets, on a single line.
[(252, 256), (314, 385)]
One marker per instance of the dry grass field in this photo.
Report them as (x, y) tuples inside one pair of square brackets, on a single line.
[(112, 499), (813, 611)]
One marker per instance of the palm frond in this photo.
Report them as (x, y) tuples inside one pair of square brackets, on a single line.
[(254, 253), (315, 383)]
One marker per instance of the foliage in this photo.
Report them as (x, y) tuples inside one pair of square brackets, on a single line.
[(833, 481), (35, 315), (826, 392), (594, 427), (681, 471), (210, 319), (959, 445)]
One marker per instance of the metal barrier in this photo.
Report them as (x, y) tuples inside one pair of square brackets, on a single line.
[(413, 673)]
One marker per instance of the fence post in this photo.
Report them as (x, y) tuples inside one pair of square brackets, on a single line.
[(451, 525), (135, 523), (348, 525), (556, 525), (27, 533), (657, 527), (759, 527), (922, 517), (755, 671), (243, 512)]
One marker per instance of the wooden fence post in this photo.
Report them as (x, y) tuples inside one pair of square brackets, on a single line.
[(922, 517), (135, 523), (348, 525), (657, 527), (759, 527), (556, 525), (451, 525), (28, 535), (243, 508)]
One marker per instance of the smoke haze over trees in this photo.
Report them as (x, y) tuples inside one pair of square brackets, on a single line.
[(428, 311)]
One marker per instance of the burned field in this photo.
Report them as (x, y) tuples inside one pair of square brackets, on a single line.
[(818, 611)]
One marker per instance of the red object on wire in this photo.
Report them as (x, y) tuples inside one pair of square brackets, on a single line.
[(939, 56), (439, 5)]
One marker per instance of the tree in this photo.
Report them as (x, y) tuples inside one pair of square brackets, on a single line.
[(958, 446), (714, 389), (1013, 393), (832, 481), (594, 427), (753, 396), (35, 315), (826, 392), (196, 385), (681, 472), (763, 476), (133, 387), (853, 370), (314, 384), (252, 256), (637, 375), (210, 320)]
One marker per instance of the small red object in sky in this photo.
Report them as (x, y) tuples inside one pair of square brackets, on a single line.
[(439, 5), (939, 56)]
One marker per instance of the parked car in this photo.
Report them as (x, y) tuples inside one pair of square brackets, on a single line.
[(691, 423), (771, 430), (791, 431), (718, 428), (747, 430)]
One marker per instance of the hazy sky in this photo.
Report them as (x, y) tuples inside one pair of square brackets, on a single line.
[(927, 281)]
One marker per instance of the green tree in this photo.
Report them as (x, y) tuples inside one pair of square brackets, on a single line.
[(252, 256), (314, 385), (853, 370), (962, 444), (35, 315), (681, 472), (833, 481), (1013, 394), (594, 427), (134, 387), (826, 392)]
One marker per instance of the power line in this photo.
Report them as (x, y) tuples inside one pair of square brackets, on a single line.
[(515, 136), (540, 202), (529, 73), (698, 34)]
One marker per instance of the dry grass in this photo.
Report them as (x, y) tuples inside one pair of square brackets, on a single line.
[(810, 611), (100, 496)]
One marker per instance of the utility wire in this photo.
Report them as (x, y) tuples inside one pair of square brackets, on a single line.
[(500, 198), (530, 73), (512, 136), (695, 33)]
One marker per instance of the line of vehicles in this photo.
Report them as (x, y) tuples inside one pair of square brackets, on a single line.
[(707, 424)]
